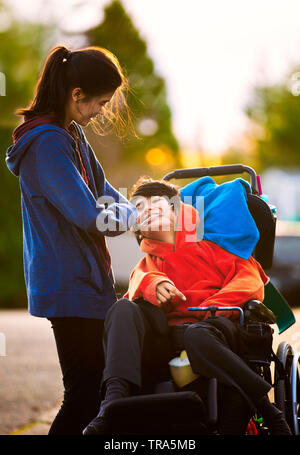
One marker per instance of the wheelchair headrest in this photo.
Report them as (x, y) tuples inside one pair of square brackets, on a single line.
[(266, 224)]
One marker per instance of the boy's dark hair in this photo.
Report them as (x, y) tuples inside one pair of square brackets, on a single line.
[(147, 187)]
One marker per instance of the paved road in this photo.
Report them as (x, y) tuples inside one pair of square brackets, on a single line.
[(30, 378)]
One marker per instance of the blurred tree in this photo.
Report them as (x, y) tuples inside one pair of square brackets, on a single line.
[(21, 52), (239, 154), (156, 146), (275, 116)]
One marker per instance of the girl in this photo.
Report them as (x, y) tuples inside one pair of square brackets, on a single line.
[(67, 265)]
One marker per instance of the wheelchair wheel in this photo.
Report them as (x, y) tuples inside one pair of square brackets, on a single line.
[(295, 390), (286, 389)]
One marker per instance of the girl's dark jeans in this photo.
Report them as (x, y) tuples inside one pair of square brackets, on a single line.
[(80, 352)]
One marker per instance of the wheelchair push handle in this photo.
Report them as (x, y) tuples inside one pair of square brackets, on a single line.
[(214, 309), (227, 169)]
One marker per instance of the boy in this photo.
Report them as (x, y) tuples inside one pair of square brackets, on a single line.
[(145, 328)]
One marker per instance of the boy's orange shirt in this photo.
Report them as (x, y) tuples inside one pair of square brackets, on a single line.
[(204, 272)]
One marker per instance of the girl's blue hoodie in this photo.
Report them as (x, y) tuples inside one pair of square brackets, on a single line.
[(62, 217)]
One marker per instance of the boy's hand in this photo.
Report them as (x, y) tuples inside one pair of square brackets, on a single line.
[(165, 291)]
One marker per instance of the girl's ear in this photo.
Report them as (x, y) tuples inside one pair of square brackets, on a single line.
[(76, 94)]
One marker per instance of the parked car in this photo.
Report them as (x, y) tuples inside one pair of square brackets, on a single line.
[(285, 271)]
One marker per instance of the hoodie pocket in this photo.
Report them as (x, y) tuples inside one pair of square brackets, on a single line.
[(93, 276)]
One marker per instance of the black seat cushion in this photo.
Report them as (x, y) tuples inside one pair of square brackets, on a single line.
[(165, 413)]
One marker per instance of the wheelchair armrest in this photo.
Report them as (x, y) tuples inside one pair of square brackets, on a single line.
[(213, 309), (254, 310)]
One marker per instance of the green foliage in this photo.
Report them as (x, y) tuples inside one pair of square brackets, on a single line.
[(275, 114), (11, 260), (147, 98), (21, 52)]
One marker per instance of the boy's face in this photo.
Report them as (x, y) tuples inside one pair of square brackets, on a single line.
[(155, 216)]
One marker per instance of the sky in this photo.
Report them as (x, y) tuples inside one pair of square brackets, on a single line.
[(211, 53)]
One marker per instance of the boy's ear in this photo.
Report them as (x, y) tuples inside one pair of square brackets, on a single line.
[(138, 235), (176, 206)]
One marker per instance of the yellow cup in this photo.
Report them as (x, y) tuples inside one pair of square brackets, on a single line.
[(181, 370)]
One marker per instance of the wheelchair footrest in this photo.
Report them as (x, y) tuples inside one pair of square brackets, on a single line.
[(166, 413)]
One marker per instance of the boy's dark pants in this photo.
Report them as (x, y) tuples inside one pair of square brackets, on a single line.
[(138, 343)]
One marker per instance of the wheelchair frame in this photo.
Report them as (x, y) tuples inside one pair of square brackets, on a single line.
[(286, 375), (287, 362)]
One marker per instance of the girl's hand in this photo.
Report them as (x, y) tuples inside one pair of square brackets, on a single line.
[(165, 291)]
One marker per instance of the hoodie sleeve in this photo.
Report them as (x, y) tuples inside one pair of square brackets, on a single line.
[(142, 283), (61, 183), (243, 280)]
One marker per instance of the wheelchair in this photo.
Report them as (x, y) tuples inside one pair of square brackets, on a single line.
[(171, 410)]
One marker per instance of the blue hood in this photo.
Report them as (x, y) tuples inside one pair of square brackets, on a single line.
[(226, 219), (16, 152)]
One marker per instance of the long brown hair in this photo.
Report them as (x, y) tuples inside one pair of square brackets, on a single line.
[(95, 70)]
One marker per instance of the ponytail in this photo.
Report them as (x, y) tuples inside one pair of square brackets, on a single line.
[(51, 89)]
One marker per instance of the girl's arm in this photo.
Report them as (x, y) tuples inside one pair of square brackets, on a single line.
[(61, 183)]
